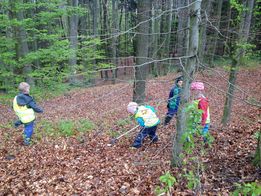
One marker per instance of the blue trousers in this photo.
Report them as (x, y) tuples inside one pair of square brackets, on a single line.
[(28, 132), (172, 111), (144, 132), (205, 132)]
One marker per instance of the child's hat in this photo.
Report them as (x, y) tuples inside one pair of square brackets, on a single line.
[(180, 78), (132, 107), (197, 86)]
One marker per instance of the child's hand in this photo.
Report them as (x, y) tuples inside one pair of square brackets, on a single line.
[(17, 123)]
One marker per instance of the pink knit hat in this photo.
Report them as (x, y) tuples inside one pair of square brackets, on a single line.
[(197, 86), (132, 107)]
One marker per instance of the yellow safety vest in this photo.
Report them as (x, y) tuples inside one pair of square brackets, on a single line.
[(24, 113), (149, 117)]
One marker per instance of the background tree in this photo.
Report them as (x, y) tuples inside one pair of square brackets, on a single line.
[(73, 39), (238, 50), (188, 75), (144, 7)]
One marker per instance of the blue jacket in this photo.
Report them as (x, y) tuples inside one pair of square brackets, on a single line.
[(174, 97), (25, 99)]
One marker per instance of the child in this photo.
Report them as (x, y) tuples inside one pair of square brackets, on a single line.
[(174, 99), (24, 107), (197, 89), (147, 119)]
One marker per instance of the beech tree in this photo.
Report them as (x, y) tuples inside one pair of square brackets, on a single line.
[(144, 7), (188, 75), (237, 53)]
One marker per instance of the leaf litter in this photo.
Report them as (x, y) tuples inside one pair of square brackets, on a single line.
[(67, 166)]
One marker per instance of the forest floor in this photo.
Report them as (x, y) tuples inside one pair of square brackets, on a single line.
[(88, 164)]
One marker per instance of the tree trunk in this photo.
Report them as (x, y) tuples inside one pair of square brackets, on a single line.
[(183, 31), (105, 31), (203, 30), (155, 37), (237, 59), (166, 21), (73, 38), (22, 45), (177, 148), (257, 159), (115, 30), (144, 7), (217, 25), (182, 25)]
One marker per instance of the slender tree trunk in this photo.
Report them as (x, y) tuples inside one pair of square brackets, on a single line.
[(115, 30), (84, 21), (217, 25), (95, 10), (182, 24), (183, 30), (257, 159), (188, 74), (203, 30), (144, 7), (237, 59), (73, 38), (105, 31), (155, 37), (64, 19), (166, 21), (22, 44)]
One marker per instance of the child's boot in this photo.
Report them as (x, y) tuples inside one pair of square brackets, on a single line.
[(167, 120)]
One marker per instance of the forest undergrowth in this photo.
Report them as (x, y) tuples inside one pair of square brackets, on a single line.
[(81, 160)]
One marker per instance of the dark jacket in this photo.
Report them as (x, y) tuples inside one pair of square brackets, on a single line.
[(174, 98), (25, 99)]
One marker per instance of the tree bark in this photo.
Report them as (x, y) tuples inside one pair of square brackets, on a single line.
[(217, 25), (203, 30), (177, 148), (237, 59), (257, 158), (155, 37), (144, 7), (166, 21), (114, 44), (73, 38), (105, 31), (22, 44), (182, 25)]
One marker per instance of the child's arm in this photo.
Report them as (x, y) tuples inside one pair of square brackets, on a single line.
[(140, 121), (17, 123), (35, 107), (152, 108)]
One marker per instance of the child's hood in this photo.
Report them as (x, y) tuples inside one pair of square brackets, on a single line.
[(23, 99)]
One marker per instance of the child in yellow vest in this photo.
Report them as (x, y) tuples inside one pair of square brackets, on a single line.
[(146, 117), (25, 107)]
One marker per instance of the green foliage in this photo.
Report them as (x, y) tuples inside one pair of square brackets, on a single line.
[(192, 179), (49, 90), (253, 189), (63, 128), (113, 133), (49, 48), (84, 125), (236, 5), (167, 181), (123, 122), (193, 127)]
